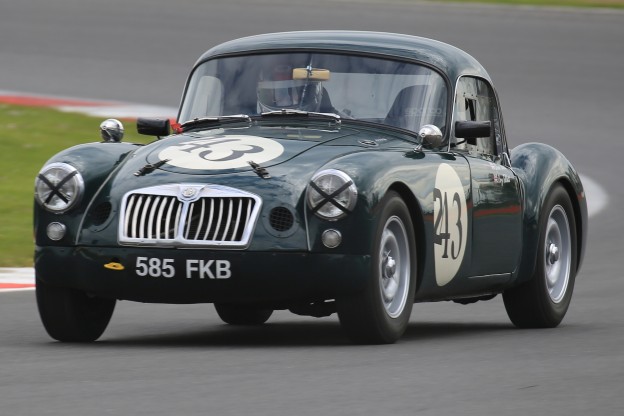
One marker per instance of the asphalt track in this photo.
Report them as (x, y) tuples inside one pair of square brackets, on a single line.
[(559, 77)]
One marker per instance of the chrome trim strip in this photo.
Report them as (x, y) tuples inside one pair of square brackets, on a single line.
[(229, 220), (201, 219), (492, 276), (135, 214), (177, 224), (219, 218), (209, 219), (150, 220), (159, 217), (144, 212), (237, 221), (127, 219), (189, 220)]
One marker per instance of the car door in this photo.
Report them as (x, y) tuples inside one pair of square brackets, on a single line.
[(496, 208)]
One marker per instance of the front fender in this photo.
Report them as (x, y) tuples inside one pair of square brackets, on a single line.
[(539, 167), (95, 162), (412, 174)]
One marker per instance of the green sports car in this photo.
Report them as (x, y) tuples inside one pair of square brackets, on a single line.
[(318, 172)]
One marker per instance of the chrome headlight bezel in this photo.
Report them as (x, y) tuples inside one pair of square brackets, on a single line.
[(331, 194), (59, 187)]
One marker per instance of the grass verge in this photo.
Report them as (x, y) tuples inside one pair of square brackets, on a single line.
[(613, 4), (30, 136)]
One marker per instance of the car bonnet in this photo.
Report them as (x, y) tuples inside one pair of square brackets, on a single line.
[(230, 150)]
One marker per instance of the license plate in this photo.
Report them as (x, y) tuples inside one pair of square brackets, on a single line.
[(190, 268)]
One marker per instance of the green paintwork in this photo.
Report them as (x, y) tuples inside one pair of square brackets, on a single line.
[(451, 61), (539, 167), (502, 203)]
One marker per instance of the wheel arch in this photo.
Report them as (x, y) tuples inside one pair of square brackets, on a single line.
[(579, 223), (540, 168), (417, 217)]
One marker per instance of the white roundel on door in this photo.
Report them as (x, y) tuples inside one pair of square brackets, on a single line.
[(450, 223), (224, 152)]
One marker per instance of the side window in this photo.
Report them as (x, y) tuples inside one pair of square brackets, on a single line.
[(475, 101)]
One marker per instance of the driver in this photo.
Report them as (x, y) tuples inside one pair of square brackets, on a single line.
[(283, 88)]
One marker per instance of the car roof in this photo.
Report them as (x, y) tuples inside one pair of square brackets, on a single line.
[(448, 59)]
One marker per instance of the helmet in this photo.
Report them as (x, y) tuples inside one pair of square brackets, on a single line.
[(278, 90), (111, 130)]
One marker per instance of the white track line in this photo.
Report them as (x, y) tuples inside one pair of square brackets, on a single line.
[(15, 275), (596, 196), (123, 111)]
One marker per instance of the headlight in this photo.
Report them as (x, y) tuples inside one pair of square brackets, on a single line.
[(331, 194), (58, 187)]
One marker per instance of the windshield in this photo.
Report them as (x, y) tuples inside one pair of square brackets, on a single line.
[(396, 93)]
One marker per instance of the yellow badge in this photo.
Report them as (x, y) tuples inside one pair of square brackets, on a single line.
[(114, 266)]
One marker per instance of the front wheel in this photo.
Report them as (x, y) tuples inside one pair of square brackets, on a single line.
[(70, 315), (242, 314), (543, 301), (380, 314)]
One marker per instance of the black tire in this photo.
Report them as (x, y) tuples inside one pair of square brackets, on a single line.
[(70, 315), (543, 301), (380, 314), (242, 314)]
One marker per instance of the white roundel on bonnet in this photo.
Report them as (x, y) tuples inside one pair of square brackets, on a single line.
[(450, 226), (225, 152)]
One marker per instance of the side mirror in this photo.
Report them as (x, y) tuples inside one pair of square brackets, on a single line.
[(471, 130), (430, 135), (154, 126)]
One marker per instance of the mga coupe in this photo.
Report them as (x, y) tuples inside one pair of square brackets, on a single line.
[(317, 172)]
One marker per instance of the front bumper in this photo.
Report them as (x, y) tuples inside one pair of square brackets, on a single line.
[(200, 275)]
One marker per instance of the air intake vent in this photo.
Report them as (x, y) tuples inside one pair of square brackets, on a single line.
[(189, 215), (100, 214), (281, 219)]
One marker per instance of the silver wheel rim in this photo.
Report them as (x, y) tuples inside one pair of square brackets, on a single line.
[(557, 254), (394, 266)]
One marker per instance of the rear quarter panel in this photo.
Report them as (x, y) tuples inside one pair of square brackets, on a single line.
[(539, 168)]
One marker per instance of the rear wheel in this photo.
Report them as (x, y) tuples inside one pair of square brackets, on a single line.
[(543, 301), (70, 315), (380, 314), (242, 314)]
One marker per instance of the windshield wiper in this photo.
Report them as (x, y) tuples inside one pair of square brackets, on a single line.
[(150, 167), (300, 113), (215, 120)]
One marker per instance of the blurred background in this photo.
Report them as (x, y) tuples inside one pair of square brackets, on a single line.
[(558, 71)]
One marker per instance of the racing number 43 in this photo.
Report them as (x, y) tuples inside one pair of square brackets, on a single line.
[(441, 226), (450, 226)]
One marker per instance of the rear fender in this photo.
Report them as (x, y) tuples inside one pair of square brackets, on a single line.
[(539, 167)]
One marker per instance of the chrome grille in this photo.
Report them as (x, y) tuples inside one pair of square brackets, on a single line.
[(188, 215), (152, 217), (218, 219)]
